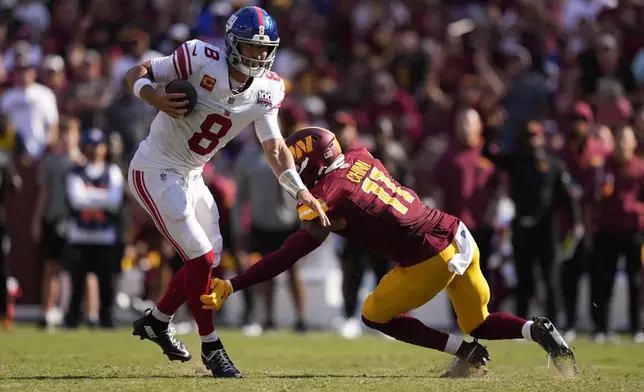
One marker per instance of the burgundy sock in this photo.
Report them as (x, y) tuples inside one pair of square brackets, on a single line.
[(500, 326), (175, 295), (411, 330), (196, 283)]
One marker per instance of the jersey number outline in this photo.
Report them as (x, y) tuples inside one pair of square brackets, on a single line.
[(378, 182), (211, 53), (213, 138)]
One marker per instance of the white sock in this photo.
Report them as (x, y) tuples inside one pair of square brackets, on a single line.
[(156, 313), (211, 337), (453, 344), (525, 330)]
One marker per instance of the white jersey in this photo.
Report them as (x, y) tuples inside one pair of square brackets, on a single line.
[(33, 110), (185, 145)]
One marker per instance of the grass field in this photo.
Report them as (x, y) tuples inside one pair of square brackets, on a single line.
[(98, 361)]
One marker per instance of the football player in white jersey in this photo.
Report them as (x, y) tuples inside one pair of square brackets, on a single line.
[(235, 87)]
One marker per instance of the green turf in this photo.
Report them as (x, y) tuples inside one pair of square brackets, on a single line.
[(31, 360)]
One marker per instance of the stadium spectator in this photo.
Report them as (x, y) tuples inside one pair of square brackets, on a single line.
[(396, 104), (95, 193), (584, 157), (467, 184), (539, 183), (135, 44), (130, 118), (90, 94), (51, 212), (52, 75), (273, 218), (32, 108), (619, 223), (603, 62)]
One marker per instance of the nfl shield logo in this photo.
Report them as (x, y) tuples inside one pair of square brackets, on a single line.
[(231, 100), (163, 177)]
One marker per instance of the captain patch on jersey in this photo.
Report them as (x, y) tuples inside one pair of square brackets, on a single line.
[(265, 98)]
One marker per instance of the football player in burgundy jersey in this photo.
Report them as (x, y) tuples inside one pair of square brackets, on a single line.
[(434, 251)]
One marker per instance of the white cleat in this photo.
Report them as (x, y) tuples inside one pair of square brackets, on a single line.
[(638, 337)]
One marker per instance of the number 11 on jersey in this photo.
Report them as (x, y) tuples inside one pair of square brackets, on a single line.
[(372, 185)]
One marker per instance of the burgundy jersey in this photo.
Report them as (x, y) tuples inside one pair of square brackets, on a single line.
[(383, 217)]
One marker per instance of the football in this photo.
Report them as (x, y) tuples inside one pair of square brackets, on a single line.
[(183, 86)]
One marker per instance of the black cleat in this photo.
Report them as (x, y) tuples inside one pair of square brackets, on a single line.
[(217, 361), (545, 334), (471, 360), (148, 327)]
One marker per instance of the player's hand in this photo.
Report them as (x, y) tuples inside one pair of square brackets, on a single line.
[(305, 197), (164, 101), (219, 292)]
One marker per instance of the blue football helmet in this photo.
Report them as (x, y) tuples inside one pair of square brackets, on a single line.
[(254, 26)]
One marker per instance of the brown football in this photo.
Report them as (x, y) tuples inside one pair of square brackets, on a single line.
[(183, 86)]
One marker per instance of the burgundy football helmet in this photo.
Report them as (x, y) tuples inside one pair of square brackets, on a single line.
[(314, 150)]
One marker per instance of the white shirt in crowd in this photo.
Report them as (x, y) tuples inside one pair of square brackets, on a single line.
[(32, 110)]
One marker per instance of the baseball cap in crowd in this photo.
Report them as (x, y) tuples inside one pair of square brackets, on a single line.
[(581, 110), (53, 62), (94, 136)]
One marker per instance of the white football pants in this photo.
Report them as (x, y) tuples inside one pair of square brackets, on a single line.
[(182, 208)]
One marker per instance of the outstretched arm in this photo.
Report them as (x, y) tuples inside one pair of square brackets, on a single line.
[(296, 246)]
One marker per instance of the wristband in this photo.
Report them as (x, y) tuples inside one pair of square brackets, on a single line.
[(292, 182), (138, 85)]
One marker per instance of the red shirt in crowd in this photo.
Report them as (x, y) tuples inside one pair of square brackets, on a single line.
[(620, 207), (469, 182), (584, 161)]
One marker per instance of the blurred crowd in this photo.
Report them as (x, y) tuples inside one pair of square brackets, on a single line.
[(468, 102)]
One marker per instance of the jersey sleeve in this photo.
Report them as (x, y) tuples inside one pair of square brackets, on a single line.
[(267, 126), (186, 60)]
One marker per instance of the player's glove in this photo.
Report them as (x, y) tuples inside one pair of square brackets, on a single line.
[(219, 292)]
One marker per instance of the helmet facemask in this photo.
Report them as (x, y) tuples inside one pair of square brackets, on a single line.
[(254, 68)]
